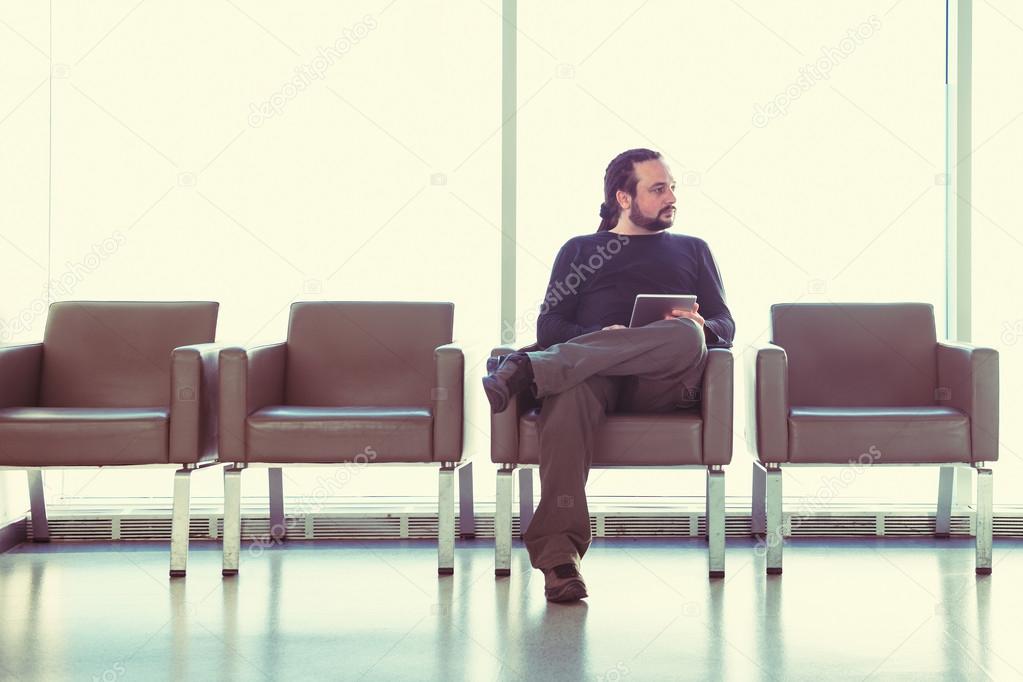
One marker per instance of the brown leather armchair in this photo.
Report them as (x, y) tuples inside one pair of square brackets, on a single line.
[(694, 438), (113, 384), (860, 385), (355, 382)]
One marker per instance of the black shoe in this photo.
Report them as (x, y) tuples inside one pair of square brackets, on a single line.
[(512, 374), (564, 583)]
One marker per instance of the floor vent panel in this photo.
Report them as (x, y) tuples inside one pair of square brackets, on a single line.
[(832, 526), (649, 526), (78, 529), (256, 529), (1008, 526), (354, 528)]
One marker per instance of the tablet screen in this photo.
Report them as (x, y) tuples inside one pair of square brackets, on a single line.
[(653, 307)]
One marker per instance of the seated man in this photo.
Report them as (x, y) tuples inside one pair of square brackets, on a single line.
[(594, 364)]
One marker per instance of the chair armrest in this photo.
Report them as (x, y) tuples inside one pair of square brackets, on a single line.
[(716, 406), (250, 379), (20, 368), (448, 403), (968, 381), (193, 403), (767, 401)]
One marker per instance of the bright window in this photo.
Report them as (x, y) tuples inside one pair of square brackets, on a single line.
[(259, 154), (807, 143)]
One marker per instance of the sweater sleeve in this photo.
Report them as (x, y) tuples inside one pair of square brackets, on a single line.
[(720, 327), (556, 322)]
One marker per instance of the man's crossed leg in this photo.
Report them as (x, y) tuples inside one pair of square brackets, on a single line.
[(656, 368)]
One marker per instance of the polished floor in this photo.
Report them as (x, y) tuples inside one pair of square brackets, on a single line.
[(843, 610)]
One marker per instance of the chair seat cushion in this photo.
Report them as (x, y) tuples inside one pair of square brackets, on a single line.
[(673, 438), (898, 435), (83, 436), (291, 433)]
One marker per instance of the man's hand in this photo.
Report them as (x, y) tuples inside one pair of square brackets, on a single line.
[(694, 314), (615, 326)]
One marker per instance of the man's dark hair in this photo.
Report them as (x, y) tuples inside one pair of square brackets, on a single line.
[(621, 175)]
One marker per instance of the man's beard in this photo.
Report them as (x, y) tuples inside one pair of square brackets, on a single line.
[(652, 224)]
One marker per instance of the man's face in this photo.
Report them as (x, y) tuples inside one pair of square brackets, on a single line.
[(653, 207)]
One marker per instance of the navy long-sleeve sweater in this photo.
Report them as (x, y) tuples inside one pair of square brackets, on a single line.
[(596, 278)]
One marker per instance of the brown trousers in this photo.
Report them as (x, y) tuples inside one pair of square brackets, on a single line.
[(656, 368)]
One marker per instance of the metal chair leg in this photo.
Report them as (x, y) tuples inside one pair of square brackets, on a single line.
[(180, 521), (446, 519), (466, 511), (985, 494), (716, 521), (232, 519), (758, 510), (943, 518), (503, 521), (37, 499), (775, 537), (278, 528), (525, 500)]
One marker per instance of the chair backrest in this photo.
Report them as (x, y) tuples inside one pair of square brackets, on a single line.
[(117, 353), (365, 353), (858, 354)]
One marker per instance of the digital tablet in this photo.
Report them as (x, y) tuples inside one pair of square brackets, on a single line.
[(653, 307)]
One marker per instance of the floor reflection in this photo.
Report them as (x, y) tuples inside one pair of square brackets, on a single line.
[(378, 611)]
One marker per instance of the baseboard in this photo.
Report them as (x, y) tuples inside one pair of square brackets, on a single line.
[(13, 534)]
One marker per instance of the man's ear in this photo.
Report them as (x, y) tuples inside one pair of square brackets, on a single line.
[(623, 198)]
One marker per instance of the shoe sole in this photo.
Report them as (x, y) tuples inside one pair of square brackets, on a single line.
[(571, 592), (496, 395)]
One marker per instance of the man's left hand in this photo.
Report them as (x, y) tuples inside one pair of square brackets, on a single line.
[(693, 314)]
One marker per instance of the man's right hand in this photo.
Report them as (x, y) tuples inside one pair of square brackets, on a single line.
[(615, 326)]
